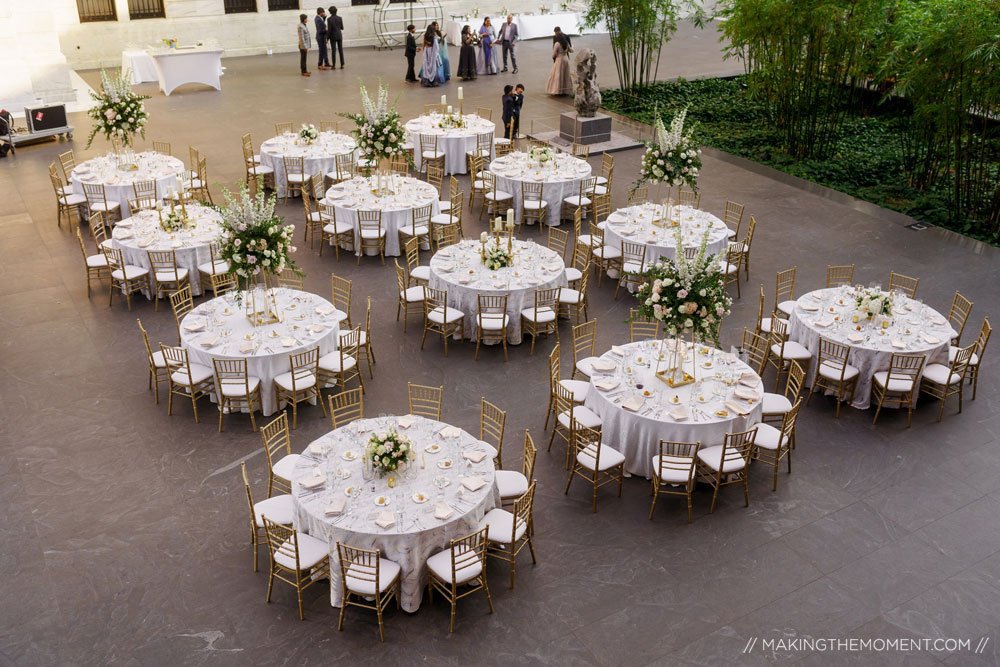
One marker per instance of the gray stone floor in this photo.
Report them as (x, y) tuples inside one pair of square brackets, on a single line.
[(125, 538)]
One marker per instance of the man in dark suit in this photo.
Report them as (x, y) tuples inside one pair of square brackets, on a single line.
[(508, 110), (320, 20), (518, 102), (410, 53), (335, 29)]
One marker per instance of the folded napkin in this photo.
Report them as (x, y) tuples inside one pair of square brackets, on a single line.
[(808, 306), (446, 268), (145, 243), (124, 234), (287, 342), (385, 519), (606, 385), (617, 349), (319, 448), (246, 348), (312, 482), (194, 326), (823, 323), (898, 344), (473, 483), (933, 340), (209, 342), (176, 244), (679, 413), (336, 507), (634, 403), (449, 432), (601, 365), (940, 321), (855, 337), (442, 511), (406, 421), (746, 394), (737, 408), (325, 310), (316, 328), (748, 380), (474, 456)]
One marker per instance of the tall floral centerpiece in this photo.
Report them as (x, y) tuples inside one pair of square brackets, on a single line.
[(258, 246), (689, 297), (672, 157), (380, 134), (118, 113)]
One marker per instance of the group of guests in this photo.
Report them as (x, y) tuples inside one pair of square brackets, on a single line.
[(328, 29), (436, 67)]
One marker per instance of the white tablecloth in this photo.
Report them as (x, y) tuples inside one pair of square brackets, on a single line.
[(561, 178), (912, 321), (140, 64), (320, 156), (139, 234), (416, 533), (397, 209), (535, 267), (175, 67), (164, 169), (635, 225), (454, 142), (264, 346), (637, 435)]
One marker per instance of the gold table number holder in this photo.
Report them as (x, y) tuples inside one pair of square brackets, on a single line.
[(674, 374)]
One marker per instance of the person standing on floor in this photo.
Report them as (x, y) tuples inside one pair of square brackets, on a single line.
[(467, 55), (305, 41), (518, 102), (320, 20), (431, 71), (508, 35), (335, 31), (443, 48), (508, 110), (560, 81), (410, 52), (487, 58)]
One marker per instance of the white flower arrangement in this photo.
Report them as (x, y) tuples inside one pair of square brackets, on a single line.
[(451, 120), (173, 222), (380, 132), (540, 155), (672, 157), (309, 132), (873, 302), (253, 238), (388, 450), (119, 113), (497, 257)]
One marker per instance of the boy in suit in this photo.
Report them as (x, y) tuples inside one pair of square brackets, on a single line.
[(508, 110), (410, 53), (518, 102)]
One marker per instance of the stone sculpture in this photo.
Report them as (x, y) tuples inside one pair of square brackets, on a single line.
[(588, 95)]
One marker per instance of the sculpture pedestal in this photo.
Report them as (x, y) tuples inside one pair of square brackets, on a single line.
[(593, 130)]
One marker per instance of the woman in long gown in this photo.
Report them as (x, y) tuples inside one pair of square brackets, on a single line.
[(467, 56), (445, 61), (560, 81), (487, 63), (431, 60)]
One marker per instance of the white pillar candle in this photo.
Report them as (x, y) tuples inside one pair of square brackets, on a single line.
[(461, 93), (482, 237), (510, 218), (449, 108), (444, 100)]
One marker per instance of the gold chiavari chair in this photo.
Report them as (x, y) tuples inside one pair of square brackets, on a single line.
[(446, 235), (607, 171), (341, 366), (67, 163), (503, 146), (186, 379), (278, 509), (399, 165), (477, 184), (295, 175), (168, 277), (690, 198), (300, 383), (445, 204), (764, 323), (66, 200), (368, 581), (641, 327), (295, 554), (460, 567), (419, 227), (746, 244), (972, 371), (492, 321), (555, 363), (775, 406), (194, 157), (282, 128), (491, 425), (312, 217), (594, 461), (638, 196), (435, 176), (329, 126), (606, 258), (513, 484), (584, 342), (127, 278), (533, 207), (833, 372), (733, 218), (278, 450), (674, 468), (784, 292), (484, 149), (97, 200), (340, 290), (772, 444), (731, 269), (452, 220), (236, 389), (580, 264), (632, 265), (942, 381), (781, 350), (365, 349), (346, 166), (839, 275), (346, 407), (182, 304), (290, 279), (95, 265), (898, 385), (256, 173), (162, 147), (429, 153), (957, 316), (145, 195), (581, 151), (216, 271), (509, 532), (157, 365), (600, 207), (570, 415), (425, 401), (541, 318), (411, 298), (493, 198), (199, 185), (904, 284), (725, 464), (371, 233), (441, 318), (573, 301), (755, 345), (336, 233), (580, 201)]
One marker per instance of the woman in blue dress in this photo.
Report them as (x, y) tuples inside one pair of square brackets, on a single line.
[(487, 59), (443, 48)]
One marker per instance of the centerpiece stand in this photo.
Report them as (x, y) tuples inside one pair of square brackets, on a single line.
[(670, 365)]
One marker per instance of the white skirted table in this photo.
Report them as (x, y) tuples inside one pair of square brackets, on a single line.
[(319, 156), (196, 64), (139, 65), (219, 329), (166, 170), (454, 142), (639, 409), (914, 328), (460, 270), (644, 224), (447, 490), (406, 194), (560, 177), (142, 232)]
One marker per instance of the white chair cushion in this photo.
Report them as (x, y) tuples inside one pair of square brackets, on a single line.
[(478, 184), (576, 201), (501, 525), (573, 274), (233, 388), (338, 228), (408, 230), (445, 315), (331, 362), (387, 572), (373, 233), (492, 321), (579, 388), (130, 272), (293, 178), (498, 195), (362, 337), (631, 267), (787, 307), (765, 325), (96, 261), (170, 276), (535, 205), (500, 140), (953, 352), (599, 190), (311, 552), (607, 252), (490, 450), (421, 273), (432, 155), (440, 565), (443, 219), (413, 294), (584, 365), (511, 484), (730, 233), (316, 216), (831, 371), (712, 456), (775, 404), (585, 239), (673, 475), (603, 224), (444, 205), (72, 200), (792, 350), (600, 458), (570, 296), (158, 360), (262, 170), (897, 384), (583, 415), (102, 206), (301, 383), (602, 180), (768, 437), (199, 373), (940, 374), (285, 466), (279, 509), (220, 266), (730, 269), (545, 315)]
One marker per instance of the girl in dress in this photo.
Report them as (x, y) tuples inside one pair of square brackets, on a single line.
[(467, 56), (431, 60), (487, 59), (560, 82)]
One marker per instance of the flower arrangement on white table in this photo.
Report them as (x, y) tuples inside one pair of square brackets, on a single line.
[(119, 113), (541, 155), (309, 133), (380, 133), (872, 302), (387, 451), (672, 157), (451, 120)]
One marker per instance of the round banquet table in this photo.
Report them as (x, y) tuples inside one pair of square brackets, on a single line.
[(915, 328), (140, 233), (118, 183), (397, 208), (219, 329), (320, 156), (454, 142), (561, 178), (460, 270), (416, 533), (635, 225), (704, 411)]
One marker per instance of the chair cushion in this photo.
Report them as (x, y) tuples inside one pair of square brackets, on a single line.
[(573, 274), (940, 374), (440, 565), (583, 415), (730, 269), (373, 233), (332, 363), (897, 384), (673, 475), (97, 261), (585, 239), (220, 266), (501, 525), (498, 195), (413, 294), (579, 388), (787, 306), (570, 296), (511, 484), (311, 552), (387, 573), (279, 509), (775, 404), (301, 383), (712, 456), (831, 371), (158, 360), (545, 315), (768, 437), (443, 219), (199, 373), (765, 325), (583, 365), (631, 267), (792, 350), (444, 204), (953, 352), (534, 204), (602, 456), (170, 276), (262, 170), (233, 388), (607, 252), (102, 206), (408, 230), (730, 233), (602, 180), (285, 466), (293, 178), (445, 315), (129, 272), (421, 273), (432, 155), (72, 199), (338, 228), (492, 321), (598, 190), (576, 201), (490, 450)]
